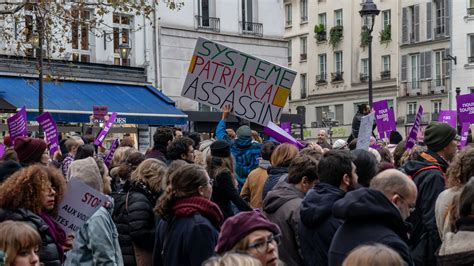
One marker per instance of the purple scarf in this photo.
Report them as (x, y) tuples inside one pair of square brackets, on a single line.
[(56, 232)]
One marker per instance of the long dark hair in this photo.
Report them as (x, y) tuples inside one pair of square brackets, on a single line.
[(216, 166)]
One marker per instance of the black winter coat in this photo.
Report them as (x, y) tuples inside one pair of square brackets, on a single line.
[(275, 175), (369, 217), (425, 239), (224, 192), (318, 225), (48, 253)]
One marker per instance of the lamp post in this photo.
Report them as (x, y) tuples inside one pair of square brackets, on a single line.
[(124, 51), (37, 41), (368, 12)]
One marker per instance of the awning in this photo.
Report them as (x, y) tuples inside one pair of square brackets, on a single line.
[(72, 101)]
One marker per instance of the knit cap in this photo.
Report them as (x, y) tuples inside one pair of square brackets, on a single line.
[(29, 150), (244, 131), (439, 135), (220, 148)]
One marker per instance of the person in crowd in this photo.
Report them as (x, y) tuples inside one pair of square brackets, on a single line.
[(245, 152), (323, 140), (29, 150), (412, 155), (337, 175), (278, 172), (205, 149), (253, 234), (314, 152), (394, 139), (256, 137), (458, 174), (181, 149), (196, 137), (362, 110), (373, 255), (375, 215), (10, 154), (33, 195), (367, 166), (136, 220), (232, 258), (71, 147), (127, 141), (125, 169), (7, 168), (282, 205), (177, 132), (161, 139), (340, 144), (428, 171), (120, 157), (231, 133), (398, 154), (352, 144), (374, 152), (188, 231), (220, 167), (174, 165), (21, 242), (385, 155), (96, 242), (84, 151), (252, 190), (457, 247)]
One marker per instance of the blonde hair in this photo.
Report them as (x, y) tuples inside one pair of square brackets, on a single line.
[(373, 255), (231, 258), (283, 154), (16, 237), (120, 155), (150, 172)]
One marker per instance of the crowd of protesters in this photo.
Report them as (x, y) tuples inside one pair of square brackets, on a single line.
[(234, 199)]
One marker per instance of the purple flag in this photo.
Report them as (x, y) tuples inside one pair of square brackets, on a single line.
[(391, 119), (286, 126), (382, 118), (447, 116), (17, 125), (103, 132), (110, 154), (46, 121), (2, 150), (414, 130), (465, 107), (464, 133), (281, 135)]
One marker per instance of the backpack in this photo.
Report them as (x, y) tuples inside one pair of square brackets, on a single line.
[(427, 168)]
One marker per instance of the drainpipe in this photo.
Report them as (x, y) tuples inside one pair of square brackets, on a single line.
[(155, 47)]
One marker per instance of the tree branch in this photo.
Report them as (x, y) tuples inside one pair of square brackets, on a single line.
[(11, 11)]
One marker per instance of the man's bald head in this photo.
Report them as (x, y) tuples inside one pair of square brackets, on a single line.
[(322, 135)]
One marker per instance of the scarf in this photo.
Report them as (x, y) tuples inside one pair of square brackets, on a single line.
[(56, 232), (189, 206)]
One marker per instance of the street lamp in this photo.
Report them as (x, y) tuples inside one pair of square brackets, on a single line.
[(124, 50), (368, 12)]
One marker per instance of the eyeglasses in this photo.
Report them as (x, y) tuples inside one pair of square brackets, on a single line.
[(262, 245), (411, 208)]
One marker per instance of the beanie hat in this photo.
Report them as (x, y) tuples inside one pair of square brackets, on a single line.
[(339, 144), (220, 148), (438, 136), (239, 226), (244, 131), (395, 137), (7, 140), (7, 168), (29, 150), (87, 171)]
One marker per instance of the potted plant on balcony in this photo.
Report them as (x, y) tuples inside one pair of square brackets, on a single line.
[(386, 35), (320, 32), (335, 36)]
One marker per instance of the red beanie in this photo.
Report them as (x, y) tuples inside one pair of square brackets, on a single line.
[(6, 140), (239, 226), (29, 150)]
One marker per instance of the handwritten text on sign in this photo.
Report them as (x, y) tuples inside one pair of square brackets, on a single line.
[(219, 75)]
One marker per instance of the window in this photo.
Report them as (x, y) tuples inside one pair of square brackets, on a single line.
[(365, 67), (415, 70), (440, 67), (386, 63), (322, 66), (304, 10), (338, 61), (411, 108), (288, 15), (386, 16), (203, 12), (290, 50), (319, 114), (247, 12), (322, 19), (411, 24), (439, 18), (436, 107), (470, 8), (303, 48), (303, 86), (471, 49), (80, 36), (338, 17), (122, 27), (339, 108)]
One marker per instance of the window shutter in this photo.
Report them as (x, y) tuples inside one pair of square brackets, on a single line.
[(447, 63), (447, 17), (405, 25), (428, 65), (417, 23), (422, 66), (429, 26), (404, 68)]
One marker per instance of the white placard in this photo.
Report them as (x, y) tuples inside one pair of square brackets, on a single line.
[(365, 131)]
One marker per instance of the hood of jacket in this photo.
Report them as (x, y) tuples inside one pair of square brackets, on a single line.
[(24, 215), (317, 205), (276, 171), (264, 164), (279, 195), (425, 159), (366, 204), (205, 144), (243, 142)]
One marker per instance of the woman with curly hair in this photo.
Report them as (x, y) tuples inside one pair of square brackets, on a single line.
[(458, 174), (32, 195)]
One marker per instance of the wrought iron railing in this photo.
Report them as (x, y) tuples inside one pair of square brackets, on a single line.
[(208, 23), (321, 78), (251, 28), (337, 76), (384, 75)]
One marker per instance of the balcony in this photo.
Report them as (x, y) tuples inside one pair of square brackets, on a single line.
[(385, 75), (303, 57), (208, 23), (412, 88), (470, 11), (434, 117), (439, 31), (438, 85), (251, 28), (337, 76), (363, 77), (321, 37), (470, 59), (321, 79), (410, 119)]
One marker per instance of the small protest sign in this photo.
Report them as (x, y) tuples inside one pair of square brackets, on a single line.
[(412, 137), (276, 132), (219, 75), (365, 131), (46, 121), (384, 118), (79, 204), (17, 125), (105, 130), (465, 105), (447, 116), (99, 112), (110, 154), (464, 133)]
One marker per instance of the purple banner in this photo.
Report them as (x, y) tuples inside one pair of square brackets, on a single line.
[(110, 154), (17, 125), (46, 121), (286, 126), (384, 118), (2, 150), (465, 107), (276, 132), (414, 130), (104, 131), (448, 117), (464, 133)]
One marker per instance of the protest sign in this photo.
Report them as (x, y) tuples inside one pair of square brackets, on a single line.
[(99, 112), (276, 132), (392, 121), (79, 204), (286, 126), (46, 121), (464, 133), (17, 125), (412, 137), (219, 75), (110, 154), (103, 132), (465, 105), (365, 131), (2, 150), (384, 118), (447, 116)]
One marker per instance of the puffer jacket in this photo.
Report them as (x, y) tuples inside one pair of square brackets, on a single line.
[(245, 152), (458, 248), (48, 253)]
